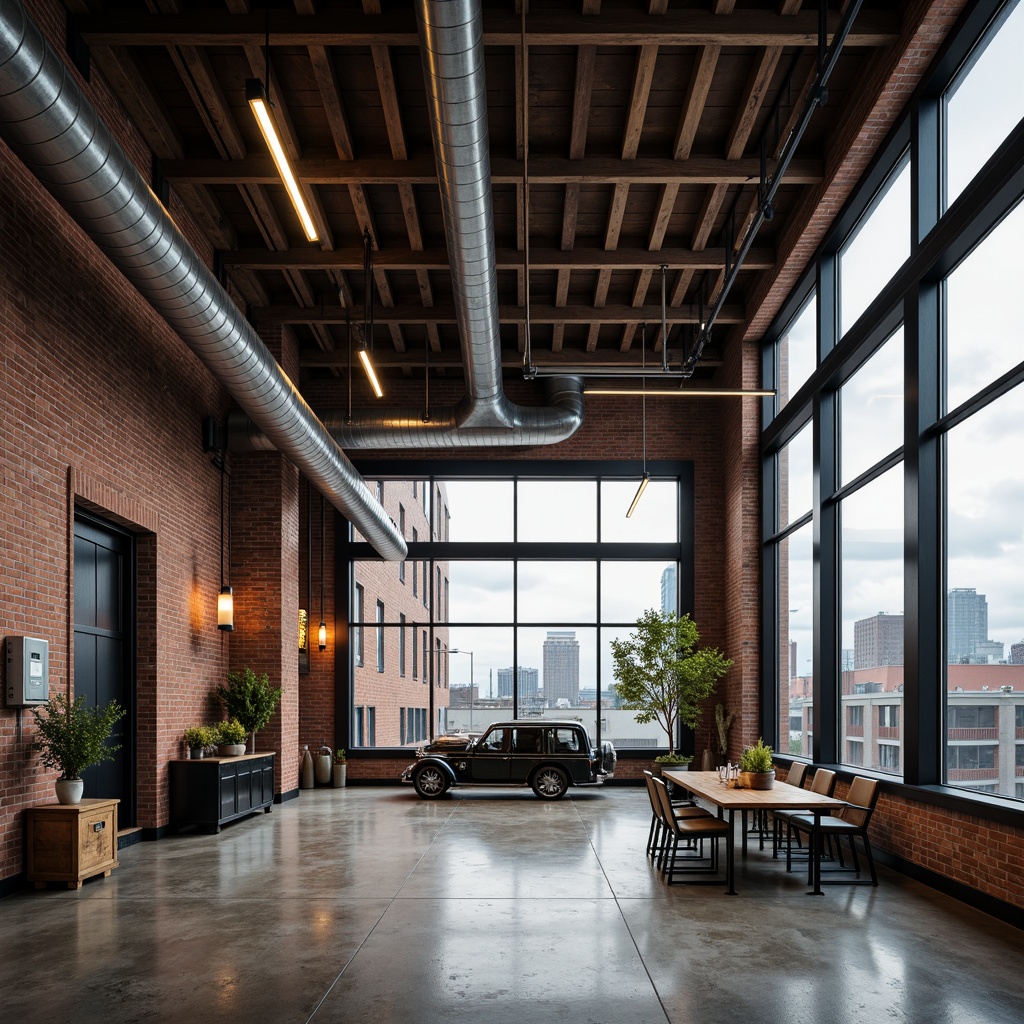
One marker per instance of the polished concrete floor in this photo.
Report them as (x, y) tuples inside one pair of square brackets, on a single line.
[(370, 905)]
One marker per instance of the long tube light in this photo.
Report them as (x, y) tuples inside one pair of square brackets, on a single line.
[(256, 96), (644, 481), (684, 392), (371, 375)]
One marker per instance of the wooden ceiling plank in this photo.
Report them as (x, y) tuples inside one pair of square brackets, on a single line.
[(569, 212), (389, 101), (696, 96), (203, 205), (562, 288), (662, 216), (266, 218), (616, 211), (680, 288), (342, 26), (753, 97), (709, 210), (434, 338), (604, 279), (643, 77), (330, 95), (397, 338), (628, 333), (585, 60), (300, 287), (643, 282), (557, 337), (592, 336)]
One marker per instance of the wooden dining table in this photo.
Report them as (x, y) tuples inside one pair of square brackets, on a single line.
[(781, 797)]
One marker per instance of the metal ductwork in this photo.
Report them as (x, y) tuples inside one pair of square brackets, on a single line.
[(48, 122), (451, 45)]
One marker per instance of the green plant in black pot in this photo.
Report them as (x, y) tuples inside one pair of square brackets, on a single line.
[(250, 699), (72, 737)]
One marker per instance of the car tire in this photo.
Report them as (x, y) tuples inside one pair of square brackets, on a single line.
[(430, 782), (550, 782)]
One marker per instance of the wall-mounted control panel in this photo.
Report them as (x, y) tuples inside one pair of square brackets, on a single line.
[(27, 671)]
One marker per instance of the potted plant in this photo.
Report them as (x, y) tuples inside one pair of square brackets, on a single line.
[(73, 737), (339, 769), (756, 768), (198, 739), (231, 738), (250, 699), (664, 676)]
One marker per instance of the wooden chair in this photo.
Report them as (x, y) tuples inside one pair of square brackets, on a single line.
[(797, 773), (850, 822), (680, 808), (692, 827), (823, 783)]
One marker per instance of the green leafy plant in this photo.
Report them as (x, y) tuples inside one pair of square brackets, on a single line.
[(661, 673), (231, 731), (73, 737), (339, 757), (757, 759), (668, 760), (202, 736), (249, 698)]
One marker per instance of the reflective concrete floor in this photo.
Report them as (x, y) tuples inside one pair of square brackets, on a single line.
[(370, 905)]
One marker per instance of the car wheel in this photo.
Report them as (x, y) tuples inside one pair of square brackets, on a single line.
[(550, 783), (430, 782)]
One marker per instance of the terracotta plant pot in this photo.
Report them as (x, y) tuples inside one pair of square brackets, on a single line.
[(757, 780)]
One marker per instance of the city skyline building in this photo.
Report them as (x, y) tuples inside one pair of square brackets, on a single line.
[(878, 640), (561, 668), (528, 680), (669, 591), (966, 624)]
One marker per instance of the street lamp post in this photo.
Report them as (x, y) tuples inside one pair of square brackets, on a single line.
[(456, 650)]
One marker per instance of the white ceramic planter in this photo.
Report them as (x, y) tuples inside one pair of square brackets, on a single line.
[(69, 791)]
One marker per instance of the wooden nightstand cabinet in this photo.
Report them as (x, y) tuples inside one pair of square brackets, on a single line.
[(71, 842)]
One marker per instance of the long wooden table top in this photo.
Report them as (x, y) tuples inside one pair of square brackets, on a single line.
[(781, 796)]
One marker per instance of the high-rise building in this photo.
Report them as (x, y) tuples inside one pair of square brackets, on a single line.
[(668, 591), (966, 624), (529, 681), (1017, 653), (878, 641), (561, 668)]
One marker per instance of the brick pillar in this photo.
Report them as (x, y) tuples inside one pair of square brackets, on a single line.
[(265, 577)]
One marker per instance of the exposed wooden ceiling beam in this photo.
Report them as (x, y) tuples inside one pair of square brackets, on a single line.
[(501, 28), (701, 170), (580, 258), (540, 313)]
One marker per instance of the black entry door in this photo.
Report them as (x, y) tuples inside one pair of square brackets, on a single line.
[(104, 654)]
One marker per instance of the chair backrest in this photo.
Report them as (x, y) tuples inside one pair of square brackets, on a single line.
[(823, 782), (651, 794), (797, 771), (664, 804), (861, 799)]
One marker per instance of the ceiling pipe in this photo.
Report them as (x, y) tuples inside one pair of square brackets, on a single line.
[(451, 46), (47, 121)]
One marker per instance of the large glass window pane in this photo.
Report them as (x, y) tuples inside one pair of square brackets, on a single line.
[(984, 104), (796, 642), (628, 589), (876, 251), (479, 510), (871, 615), (871, 410), (985, 318), (551, 511), (557, 591), (796, 478), (479, 672), (797, 352), (655, 520), (480, 591), (985, 590)]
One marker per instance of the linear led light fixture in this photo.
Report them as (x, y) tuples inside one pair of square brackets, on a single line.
[(683, 392), (256, 96), (371, 375), (644, 481)]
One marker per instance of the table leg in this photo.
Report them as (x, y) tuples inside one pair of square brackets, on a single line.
[(729, 866), (744, 830)]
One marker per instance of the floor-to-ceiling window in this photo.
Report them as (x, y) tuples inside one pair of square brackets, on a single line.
[(914, 412), (537, 571)]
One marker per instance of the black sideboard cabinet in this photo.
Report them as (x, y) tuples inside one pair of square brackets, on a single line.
[(210, 791)]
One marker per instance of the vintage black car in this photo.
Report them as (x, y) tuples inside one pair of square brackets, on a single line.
[(550, 756)]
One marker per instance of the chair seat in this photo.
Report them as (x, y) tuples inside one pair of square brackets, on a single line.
[(689, 813), (706, 825), (828, 823)]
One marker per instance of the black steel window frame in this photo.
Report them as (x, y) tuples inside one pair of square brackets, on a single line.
[(348, 552), (940, 240)]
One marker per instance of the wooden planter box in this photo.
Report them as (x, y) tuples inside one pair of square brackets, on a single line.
[(71, 842)]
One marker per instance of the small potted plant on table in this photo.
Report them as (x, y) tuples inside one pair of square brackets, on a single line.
[(199, 739), (756, 768), (73, 737)]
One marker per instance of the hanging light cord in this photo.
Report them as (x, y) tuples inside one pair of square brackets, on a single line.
[(527, 353)]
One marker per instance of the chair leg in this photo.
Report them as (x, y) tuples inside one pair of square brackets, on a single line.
[(871, 859)]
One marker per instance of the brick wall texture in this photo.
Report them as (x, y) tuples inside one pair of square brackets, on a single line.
[(101, 406)]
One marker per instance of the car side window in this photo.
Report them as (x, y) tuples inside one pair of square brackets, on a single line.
[(493, 742), (526, 741), (567, 741)]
